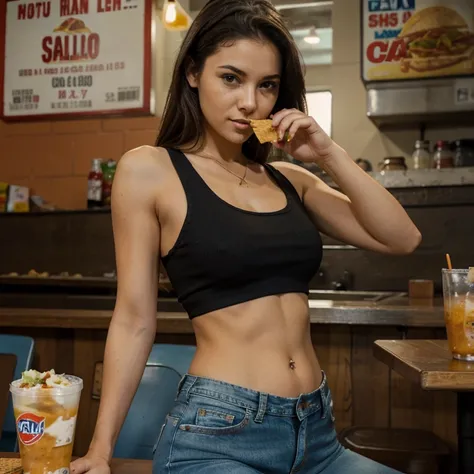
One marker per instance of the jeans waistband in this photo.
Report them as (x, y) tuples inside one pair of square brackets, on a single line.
[(261, 402)]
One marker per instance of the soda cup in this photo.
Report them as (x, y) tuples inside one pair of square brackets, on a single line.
[(458, 295), (45, 407)]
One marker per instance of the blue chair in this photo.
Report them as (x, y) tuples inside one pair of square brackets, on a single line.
[(155, 396), (21, 347)]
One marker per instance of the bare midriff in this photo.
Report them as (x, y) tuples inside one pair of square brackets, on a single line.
[(263, 344)]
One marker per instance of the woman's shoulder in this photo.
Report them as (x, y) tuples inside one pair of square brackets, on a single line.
[(145, 161), (144, 156), (292, 171), (298, 176), (145, 166)]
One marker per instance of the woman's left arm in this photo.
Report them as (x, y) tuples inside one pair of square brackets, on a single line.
[(365, 214)]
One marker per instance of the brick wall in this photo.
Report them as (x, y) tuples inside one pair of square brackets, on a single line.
[(53, 158)]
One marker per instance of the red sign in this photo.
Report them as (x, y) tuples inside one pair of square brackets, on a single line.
[(30, 428), (64, 58)]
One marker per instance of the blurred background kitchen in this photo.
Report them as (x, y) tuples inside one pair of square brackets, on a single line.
[(416, 137)]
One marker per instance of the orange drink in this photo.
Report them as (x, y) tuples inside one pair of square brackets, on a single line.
[(458, 293), (45, 406)]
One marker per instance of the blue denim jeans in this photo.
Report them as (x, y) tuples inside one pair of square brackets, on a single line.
[(217, 427)]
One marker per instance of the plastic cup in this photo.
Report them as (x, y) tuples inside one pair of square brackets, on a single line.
[(458, 295), (45, 425)]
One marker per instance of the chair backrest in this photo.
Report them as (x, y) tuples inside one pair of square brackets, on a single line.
[(21, 347), (155, 396)]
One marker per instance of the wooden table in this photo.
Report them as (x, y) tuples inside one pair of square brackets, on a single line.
[(430, 364), (119, 466)]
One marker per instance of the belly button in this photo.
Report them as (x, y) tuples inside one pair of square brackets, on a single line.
[(292, 364)]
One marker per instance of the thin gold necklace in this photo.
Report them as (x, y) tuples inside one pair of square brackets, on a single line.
[(243, 181)]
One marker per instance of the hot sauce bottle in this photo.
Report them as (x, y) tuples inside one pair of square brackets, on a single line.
[(95, 181)]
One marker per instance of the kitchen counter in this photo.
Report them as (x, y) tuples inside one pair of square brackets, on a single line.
[(396, 310), (425, 178), (427, 188)]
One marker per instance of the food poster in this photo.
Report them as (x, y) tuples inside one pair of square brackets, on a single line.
[(415, 39), (75, 57)]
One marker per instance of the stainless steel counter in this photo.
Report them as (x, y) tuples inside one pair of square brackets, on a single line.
[(400, 313)]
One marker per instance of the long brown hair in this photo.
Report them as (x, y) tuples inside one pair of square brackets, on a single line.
[(218, 24)]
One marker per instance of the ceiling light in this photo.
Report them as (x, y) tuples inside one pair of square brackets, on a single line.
[(175, 17), (313, 37)]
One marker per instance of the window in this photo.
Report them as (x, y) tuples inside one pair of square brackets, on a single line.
[(320, 108)]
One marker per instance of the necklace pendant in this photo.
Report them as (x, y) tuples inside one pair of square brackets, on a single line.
[(243, 183)]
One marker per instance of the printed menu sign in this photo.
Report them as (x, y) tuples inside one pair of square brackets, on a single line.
[(411, 39), (76, 57)]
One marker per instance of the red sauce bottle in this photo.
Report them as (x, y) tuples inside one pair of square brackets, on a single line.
[(95, 181)]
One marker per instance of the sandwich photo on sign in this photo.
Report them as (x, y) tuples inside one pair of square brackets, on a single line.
[(436, 38), (404, 40)]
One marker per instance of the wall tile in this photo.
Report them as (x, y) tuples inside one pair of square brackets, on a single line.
[(76, 126), (27, 128), (65, 193), (97, 145), (52, 155), (134, 123), (138, 138)]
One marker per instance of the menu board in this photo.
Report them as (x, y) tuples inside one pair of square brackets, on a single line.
[(412, 39), (75, 57)]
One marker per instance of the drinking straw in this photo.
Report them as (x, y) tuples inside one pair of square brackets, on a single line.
[(448, 259)]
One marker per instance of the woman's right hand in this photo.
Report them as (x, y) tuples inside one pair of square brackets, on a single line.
[(91, 464)]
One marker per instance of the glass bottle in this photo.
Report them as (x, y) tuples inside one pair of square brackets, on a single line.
[(94, 185), (443, 155), (464, 153), (421, 157), (109, 174)]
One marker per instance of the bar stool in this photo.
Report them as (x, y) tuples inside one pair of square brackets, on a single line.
[(166, 364)]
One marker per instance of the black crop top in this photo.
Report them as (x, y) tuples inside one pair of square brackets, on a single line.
[(225, 255)]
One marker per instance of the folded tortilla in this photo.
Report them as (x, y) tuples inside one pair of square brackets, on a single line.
[(264, 130)]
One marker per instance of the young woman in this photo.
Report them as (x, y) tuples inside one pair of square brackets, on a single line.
[(240, 242)]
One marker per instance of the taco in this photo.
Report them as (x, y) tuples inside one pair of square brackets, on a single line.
[(72, 25)]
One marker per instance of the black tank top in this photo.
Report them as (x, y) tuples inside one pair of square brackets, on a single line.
[(225, 255)]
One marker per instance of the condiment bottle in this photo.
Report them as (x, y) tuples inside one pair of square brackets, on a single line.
[(94, 185), (443, 156), (109, 174), (421, 157)]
